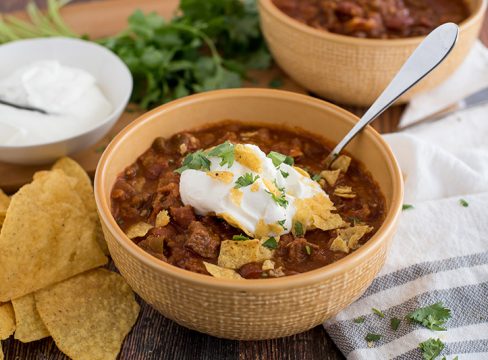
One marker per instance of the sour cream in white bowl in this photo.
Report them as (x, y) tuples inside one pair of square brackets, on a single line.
[(83, 87)]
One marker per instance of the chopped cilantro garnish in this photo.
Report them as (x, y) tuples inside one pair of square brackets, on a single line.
[(271, 243), (378, 312), (245, 180), (280, 200), (432, 316), (407, 207), (196, 161), (463, 203), (308, 249), (316, 177), (359, 320), (298, 229), (372, 337), (395, 323), (282, 224), (431, 348), (240, 237), (279, 159), (224, 151), (354, 220), (284, 173)]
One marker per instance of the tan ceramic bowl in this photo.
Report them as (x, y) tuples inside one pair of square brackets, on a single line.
[(248, 309), (350, 70)]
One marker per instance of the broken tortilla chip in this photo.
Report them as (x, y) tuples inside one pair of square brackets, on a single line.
[(162, 219), (339, 245), (352, 235), (4, 203), (234, 254), (47, 236), (28, 324), (220, 272), (89, 315), (7, 321), (85, 190), (341, 163), (330, 176), (139, 229)]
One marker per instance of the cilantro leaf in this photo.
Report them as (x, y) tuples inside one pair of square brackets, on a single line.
[(372, 337), (245, 180), (224, 151), (431, 348), (279, 199), (407, 207), (316, 177), (359, 320), (271, 243), (239, 237), (308, 250), (282, 224), (395, 323), (279, 159), (378, 312), (298, 229), (196, 161), (432, 316), (463, 203)]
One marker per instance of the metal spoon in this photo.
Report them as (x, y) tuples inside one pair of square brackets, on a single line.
[(426, 57)]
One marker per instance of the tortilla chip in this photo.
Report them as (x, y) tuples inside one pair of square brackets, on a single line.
[(352, 235), (344, 192), (247, 157), (162, 219), (139, 229), (224, 176), (89, 315), (332, 221), (4, 203), (28, 323), (85, 190), (315, 212), (341, 163), (268, 265), (330, 176), (220, 272), (48, 236), (339, 245), (7, 321), (234, 254)]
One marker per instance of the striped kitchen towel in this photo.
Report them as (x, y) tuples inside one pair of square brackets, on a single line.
[(440, 252)]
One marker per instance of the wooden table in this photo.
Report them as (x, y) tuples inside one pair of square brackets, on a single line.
[(155, 337)]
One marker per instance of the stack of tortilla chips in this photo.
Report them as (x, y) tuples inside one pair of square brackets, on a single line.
[(51, 283)]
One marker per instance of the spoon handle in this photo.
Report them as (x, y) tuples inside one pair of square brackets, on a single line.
[(430, 53)]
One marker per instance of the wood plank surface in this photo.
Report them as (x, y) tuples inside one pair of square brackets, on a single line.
[(155, 337)]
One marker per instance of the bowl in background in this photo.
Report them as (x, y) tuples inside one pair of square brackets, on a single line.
[(113, 78), (248, 309), (351, 70)]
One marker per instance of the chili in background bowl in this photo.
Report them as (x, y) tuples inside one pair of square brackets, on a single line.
[(351, 70), (249, 309)]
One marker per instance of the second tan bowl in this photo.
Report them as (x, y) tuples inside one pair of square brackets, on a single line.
[(248, 309), (350, 70)]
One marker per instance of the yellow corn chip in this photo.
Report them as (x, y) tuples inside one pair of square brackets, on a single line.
[(234, 254), (247, 157), (85, 190), (7, 321), (89, 315), (4, 203), (162, 219), (352, 235), (138, 230), (339, 245), (47, 236), (330, 176), (224, 176), (220, 272), (28, 324), (341, 163)]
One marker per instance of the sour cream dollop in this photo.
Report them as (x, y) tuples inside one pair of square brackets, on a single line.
[(279, 196), (69, 95)]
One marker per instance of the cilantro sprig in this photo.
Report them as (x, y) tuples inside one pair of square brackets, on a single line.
[(245, 180), (196, 161), (279, 159), (282, 224), (431, 348), (298, 229), (271, 243), (240, 238), (225, 152), (278, 199), (432, 317)]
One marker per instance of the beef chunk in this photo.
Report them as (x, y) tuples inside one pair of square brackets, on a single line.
[(202, 240), (182, 215)]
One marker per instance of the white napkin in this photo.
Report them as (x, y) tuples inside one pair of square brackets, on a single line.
[(440, 252)]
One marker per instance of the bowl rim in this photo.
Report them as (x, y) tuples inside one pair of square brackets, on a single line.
[(272, 10), (286, 282), (117, 109)]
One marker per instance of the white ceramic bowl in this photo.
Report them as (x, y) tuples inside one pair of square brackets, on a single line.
[(113, 77)]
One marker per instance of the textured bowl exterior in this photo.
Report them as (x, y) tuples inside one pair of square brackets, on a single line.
[(248, 309), (349, 70)]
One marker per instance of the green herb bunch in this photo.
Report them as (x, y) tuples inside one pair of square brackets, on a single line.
[(209, 45)]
